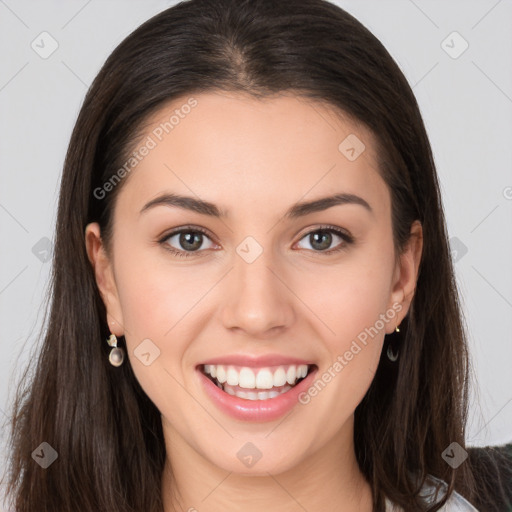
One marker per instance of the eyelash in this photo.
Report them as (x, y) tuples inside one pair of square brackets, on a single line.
[(347, 239)]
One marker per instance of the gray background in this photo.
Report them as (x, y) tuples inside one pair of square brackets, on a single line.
[(467, 107)]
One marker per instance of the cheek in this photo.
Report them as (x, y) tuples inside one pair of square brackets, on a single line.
[(155, 295), (349, 297), (352, 300), (155, 302)]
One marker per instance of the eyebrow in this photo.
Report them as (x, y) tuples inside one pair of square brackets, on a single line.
[(296, 211)]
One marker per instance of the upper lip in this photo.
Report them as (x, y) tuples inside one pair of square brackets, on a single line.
[(255, 361)]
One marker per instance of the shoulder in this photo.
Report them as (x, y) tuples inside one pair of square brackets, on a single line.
[(432, 491), (435, 487)]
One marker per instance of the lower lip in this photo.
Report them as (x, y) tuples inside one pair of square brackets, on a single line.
[(256, 410)]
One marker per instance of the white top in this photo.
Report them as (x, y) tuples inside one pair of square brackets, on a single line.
[(456, 502)]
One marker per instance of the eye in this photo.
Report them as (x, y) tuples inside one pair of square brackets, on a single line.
[(188, 240), (322, 238)]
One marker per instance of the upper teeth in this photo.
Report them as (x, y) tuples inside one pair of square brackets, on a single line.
[(261, 378)]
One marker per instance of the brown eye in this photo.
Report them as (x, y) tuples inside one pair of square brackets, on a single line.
[(190, 241)]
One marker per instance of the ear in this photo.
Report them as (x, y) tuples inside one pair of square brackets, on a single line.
[(406, 275), (104, 274)]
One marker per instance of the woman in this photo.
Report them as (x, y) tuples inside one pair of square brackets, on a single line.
[(253, 299)]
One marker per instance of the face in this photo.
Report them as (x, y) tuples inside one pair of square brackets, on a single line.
[(253, 287)]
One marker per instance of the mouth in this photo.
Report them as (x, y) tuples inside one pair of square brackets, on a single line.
[(256, 384)]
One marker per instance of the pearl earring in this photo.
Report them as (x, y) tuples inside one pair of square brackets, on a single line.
[(116, 356)]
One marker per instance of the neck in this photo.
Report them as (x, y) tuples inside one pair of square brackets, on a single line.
[(328, 479)]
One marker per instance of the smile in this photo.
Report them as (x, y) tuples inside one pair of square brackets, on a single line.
[(255, 393), (256, 383)]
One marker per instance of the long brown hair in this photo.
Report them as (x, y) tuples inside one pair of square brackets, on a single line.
[(106, 431)]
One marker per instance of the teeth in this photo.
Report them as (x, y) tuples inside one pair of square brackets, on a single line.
[(279, 377), (291, 375), (257, 378), (221, 374), (232, 377), (264, 379), (246, 378), (253, 395)]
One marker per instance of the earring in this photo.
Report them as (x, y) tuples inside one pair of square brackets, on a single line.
[(116, 356), (393, 356)]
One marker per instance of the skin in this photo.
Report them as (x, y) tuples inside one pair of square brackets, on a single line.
[(255, 159)]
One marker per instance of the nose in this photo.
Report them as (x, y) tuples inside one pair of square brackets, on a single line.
[(258, 301)]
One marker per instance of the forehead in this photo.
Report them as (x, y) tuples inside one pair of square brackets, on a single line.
[(242, 152)]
